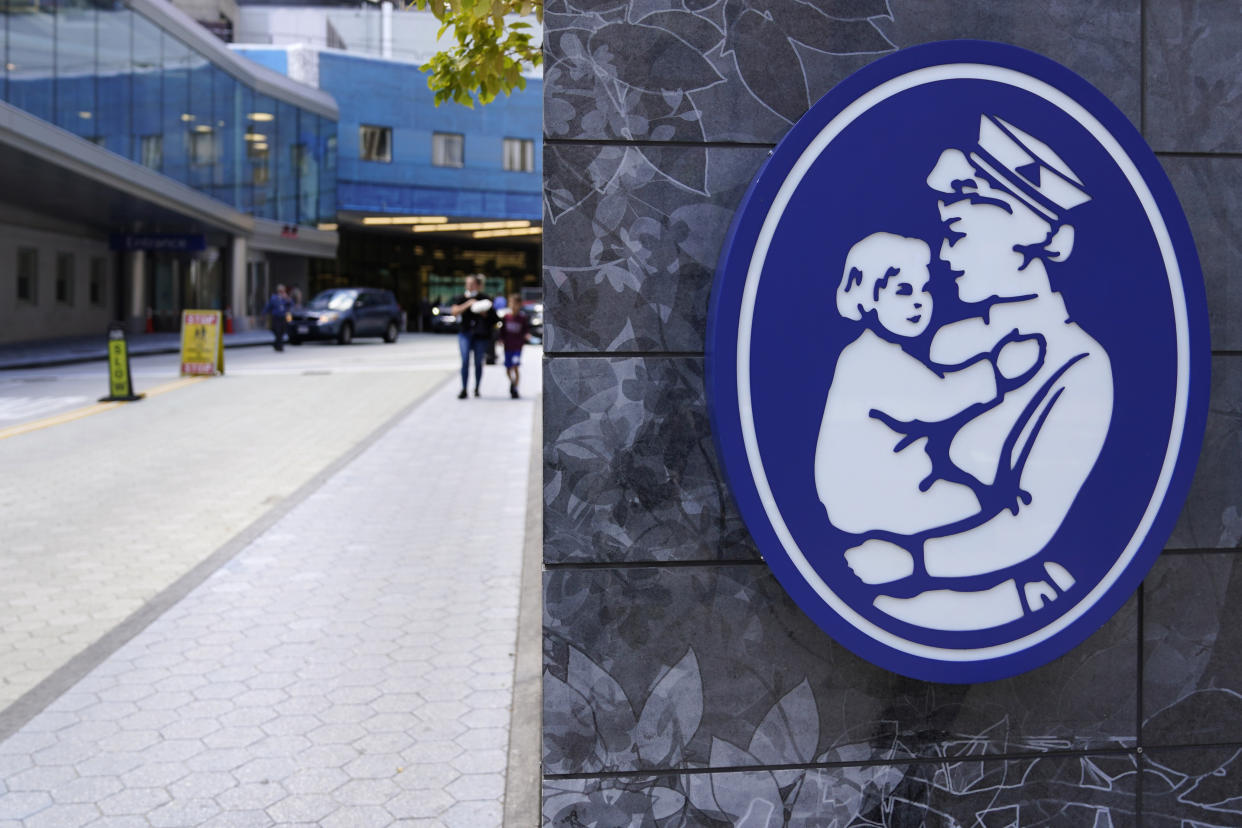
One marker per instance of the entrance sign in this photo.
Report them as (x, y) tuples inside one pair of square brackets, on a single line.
[(958, 361), (175, 242), (120, 380), (202, 343)]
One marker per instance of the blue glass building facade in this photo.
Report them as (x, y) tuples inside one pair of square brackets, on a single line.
[(491, 176), (107, 73), (128, 120)]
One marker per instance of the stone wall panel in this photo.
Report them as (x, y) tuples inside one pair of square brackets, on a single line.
[(649, 668), (630, 472), (633, 237)]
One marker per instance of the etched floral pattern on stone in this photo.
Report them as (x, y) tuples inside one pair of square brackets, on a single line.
[(600, 729), (634, 237), (630, 471), (753, 648), (645, 70)]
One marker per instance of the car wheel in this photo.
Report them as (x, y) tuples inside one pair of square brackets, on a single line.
[(390, 333), (346, 335), (295, 340)]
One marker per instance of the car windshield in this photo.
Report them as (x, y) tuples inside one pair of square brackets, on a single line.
[(334, 300)]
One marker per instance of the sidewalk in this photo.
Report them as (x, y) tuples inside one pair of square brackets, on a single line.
[(68, 350), (352, 665)]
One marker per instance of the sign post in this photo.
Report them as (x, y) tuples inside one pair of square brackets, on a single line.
[(202, 343), (120, 381)]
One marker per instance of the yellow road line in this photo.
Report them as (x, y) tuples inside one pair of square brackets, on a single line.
[(173, 386), (86, 411)]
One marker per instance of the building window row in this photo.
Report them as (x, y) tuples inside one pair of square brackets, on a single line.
[(66, 278), (520, 154), (448, 149), (375, 143)]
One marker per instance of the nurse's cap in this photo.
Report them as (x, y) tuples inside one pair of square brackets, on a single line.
[(1017, 161)]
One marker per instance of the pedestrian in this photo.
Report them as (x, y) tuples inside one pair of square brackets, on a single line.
[(514, 333), (474, 337), (277, 309), (295, 296)]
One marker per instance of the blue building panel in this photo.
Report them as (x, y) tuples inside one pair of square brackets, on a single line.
[(383, 93), (378, 198), (275, 59)]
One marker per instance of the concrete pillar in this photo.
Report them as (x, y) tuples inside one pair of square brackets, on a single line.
[(237, 282), (135, 276)]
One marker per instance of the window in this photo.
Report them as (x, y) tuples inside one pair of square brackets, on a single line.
[(375, 143), (203, 147), (447, 149), (64, 278), (28, 275), (519, 154), (152, 151), (258, 152), (99, 281)]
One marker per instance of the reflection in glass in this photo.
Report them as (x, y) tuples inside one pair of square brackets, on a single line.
[(327, 170), (228, 112), (147, 85), (307, 155), (32, 27), (200, 125), (177, 120), (113, 64), (151, 151), (101, 70), (75, 67), (286, 180), (260, 139)]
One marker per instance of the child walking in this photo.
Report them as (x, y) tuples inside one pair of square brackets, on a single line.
[(514, 333)]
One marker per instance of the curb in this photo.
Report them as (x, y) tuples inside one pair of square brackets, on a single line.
[(53, 361)]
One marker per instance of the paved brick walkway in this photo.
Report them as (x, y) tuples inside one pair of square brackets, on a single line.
[(104, 513), (351, 666)]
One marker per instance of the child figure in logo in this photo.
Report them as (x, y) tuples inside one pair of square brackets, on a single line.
[(872, 469)]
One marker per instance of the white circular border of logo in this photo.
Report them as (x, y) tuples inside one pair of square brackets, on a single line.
[(901, 83)]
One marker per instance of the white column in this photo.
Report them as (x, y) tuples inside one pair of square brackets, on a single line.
[(386, 29), (237, 283), (136, 279)]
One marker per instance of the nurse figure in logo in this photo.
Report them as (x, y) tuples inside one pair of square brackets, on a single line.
[(1025, 453)]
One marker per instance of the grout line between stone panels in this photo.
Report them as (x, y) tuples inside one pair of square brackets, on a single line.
[(1143, 69), (1206, 550), (1197, 154), (623, 142), (555, 565), (523, 799), (31, 703), (912, 760), (1216, 352), (1138, 698), (622, 354)]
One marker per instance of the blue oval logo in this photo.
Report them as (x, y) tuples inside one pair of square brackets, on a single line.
[(958, 361)]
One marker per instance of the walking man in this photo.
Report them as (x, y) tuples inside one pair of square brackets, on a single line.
[(277, 309)]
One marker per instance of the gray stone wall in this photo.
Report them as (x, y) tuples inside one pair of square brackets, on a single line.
[(682, 687)]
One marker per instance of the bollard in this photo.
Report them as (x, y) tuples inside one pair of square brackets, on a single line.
[(120, 381)]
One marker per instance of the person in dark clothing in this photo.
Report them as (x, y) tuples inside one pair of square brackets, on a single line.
[(478, 323), (277, 308), (514, 333)]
